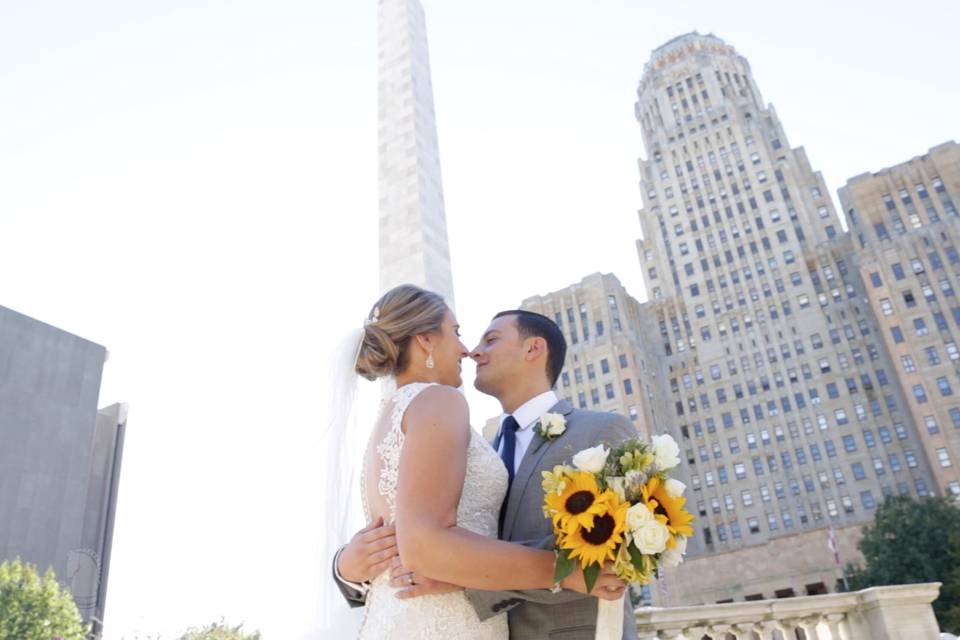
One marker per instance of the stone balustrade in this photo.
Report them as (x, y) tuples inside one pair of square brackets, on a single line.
[(901, 612)]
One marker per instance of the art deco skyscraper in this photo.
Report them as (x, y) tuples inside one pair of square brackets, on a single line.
[(780, 389), (907, 235), (413, 225)]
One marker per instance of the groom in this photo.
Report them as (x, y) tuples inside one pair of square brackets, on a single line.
[(518, 360)]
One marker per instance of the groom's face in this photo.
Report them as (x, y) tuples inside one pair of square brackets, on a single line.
[(499, 356)]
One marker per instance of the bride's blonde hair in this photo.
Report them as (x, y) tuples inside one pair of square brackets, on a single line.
[(402, 313)]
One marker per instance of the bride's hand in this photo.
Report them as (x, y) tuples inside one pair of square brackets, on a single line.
[(607, 587), (412, 585)]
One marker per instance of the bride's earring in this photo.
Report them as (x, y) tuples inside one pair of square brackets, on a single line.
[(430, 363)]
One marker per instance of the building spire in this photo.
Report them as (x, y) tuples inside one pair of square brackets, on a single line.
[(413, 227)]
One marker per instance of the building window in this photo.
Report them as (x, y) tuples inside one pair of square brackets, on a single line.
[(911, 458), (849, 444), (943, 458), (866, 498), (885, 307), (919, 393), (908, 364), (944, 385), (955, 417), (627, 387)]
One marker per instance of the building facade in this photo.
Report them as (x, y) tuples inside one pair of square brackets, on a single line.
[(608, 364), (906, 234), (60, 458), (780, 387), (413, 226)]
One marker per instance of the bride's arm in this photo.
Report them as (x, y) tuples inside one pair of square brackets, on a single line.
[(430, 481)]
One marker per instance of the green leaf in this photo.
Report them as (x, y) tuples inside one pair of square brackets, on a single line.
[(590, 575), (636, 557), (564, 566)]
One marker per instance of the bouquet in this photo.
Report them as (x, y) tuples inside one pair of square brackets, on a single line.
[(618, 504)]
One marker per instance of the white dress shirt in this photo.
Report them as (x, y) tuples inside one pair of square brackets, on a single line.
[(526, 416)]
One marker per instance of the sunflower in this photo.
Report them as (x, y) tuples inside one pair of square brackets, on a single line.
[(667, 509), (577, 504), (596, 544)]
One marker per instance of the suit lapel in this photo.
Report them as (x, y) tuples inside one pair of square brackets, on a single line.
[(530, 463)]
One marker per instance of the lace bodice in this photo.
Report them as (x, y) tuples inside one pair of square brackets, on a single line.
[(484, 487)]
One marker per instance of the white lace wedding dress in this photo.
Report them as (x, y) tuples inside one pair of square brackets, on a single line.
[(448, 616)]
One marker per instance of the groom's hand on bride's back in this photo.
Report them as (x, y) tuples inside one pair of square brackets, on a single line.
[(369, 553), (413, 585)]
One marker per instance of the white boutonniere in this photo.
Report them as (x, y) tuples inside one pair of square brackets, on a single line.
[(550, 427)]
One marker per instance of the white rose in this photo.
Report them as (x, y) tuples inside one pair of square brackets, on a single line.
[(553, 424), (674, 487), (666, 452), (591, 460), (673, 557), (651, 537), (637, 515)]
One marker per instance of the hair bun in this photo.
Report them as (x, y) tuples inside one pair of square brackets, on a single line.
[(379, 355)]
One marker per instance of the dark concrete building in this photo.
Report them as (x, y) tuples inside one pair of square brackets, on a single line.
[(59, 457)]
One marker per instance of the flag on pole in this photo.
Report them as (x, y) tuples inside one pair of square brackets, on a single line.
[(835, 548), (832, 545)]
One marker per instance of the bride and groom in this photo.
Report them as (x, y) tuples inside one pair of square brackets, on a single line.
[(465, 540)]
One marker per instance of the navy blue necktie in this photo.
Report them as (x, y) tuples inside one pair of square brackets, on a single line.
[(509, 441)]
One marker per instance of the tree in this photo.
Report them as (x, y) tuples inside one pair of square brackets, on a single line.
[(950, 590), (219, 631), (908, 542), (36, 608)]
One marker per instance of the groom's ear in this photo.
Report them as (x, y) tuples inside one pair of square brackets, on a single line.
[(534, 347)]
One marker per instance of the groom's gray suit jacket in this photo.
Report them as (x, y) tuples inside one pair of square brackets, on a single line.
[(538, 613)]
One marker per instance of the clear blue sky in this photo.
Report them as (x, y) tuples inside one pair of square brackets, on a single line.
[(193, 185)]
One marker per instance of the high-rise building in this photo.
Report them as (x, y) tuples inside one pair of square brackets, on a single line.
[(59, 458), (413, 224), (781, 391), (608, 364), (907, 233)]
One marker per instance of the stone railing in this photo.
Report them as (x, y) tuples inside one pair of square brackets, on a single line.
[(902, 612)]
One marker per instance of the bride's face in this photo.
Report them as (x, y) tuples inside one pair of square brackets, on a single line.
[(448, 351)]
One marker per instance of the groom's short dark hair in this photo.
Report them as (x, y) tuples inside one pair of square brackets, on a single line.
[(531, 324)]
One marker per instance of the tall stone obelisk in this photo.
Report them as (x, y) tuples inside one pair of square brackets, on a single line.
[(413, 225)]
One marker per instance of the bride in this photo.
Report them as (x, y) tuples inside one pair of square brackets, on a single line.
[(438, 481)]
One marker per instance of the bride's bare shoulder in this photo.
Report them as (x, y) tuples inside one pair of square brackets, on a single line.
[(438, 405)]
